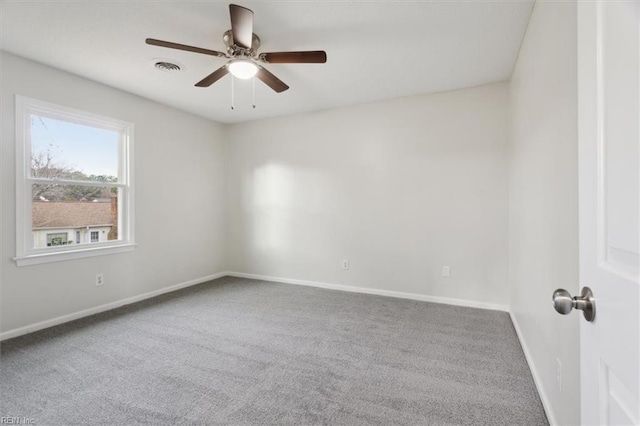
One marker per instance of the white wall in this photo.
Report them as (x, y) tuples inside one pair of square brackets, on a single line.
[(399, 188), (543, 202), (180, 198)]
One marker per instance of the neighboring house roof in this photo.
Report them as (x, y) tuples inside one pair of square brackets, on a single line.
[(70, 214)]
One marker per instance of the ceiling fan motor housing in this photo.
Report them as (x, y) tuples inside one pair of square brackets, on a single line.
[(234, 50)]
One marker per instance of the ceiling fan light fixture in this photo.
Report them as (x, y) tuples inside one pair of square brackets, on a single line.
[(242, 69)]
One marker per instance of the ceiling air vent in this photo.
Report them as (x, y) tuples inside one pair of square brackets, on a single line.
[(167, 66)]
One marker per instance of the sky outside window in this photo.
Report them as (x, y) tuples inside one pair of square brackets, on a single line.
[(90, 150)]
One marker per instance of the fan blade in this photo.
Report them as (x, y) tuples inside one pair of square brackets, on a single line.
[(241, 25), (271, 80), (310, 57), (214, 76), (170, 45)]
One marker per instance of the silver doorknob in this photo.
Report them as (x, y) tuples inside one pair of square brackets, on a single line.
[(564, 303)]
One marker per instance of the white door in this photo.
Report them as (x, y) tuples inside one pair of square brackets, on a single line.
[(609, 136)]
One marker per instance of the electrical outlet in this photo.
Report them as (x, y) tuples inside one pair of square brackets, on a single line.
[(345, 264), (559, 373), (99, 279), (446, 271)]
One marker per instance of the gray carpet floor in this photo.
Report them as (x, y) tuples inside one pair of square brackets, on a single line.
[(246, 352)]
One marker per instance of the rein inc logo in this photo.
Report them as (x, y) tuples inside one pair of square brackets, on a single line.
[(17, 421)]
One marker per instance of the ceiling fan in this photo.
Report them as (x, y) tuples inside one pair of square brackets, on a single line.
[(242, 50)]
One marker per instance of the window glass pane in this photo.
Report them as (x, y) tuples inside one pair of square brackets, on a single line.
[(65, 150), (73, 214), (57, 239)]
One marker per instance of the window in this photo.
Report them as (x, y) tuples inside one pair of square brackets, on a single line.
[(56, 239), (73, 174)]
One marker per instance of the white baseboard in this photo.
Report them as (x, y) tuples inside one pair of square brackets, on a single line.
[(367, 290), (91, 311), (546, 404)]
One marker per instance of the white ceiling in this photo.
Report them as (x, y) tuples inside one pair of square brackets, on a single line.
[(376, 50)]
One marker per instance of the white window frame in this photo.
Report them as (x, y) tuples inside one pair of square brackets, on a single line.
[(26, 254)]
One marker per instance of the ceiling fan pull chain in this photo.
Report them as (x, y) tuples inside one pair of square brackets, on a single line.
[(232, 94), (253, 99)]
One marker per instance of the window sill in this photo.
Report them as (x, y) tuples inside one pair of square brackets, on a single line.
[(35, 259)]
